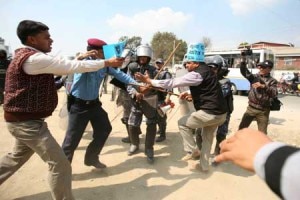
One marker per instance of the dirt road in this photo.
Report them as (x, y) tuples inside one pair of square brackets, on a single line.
[(133, 178)]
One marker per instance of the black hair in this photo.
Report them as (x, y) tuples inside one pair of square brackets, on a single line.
[(30, 28), (89, 48), (3, 54)]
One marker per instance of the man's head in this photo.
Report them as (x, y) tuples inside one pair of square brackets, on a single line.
[(218, 65), (97, 45), (194, 56), (159, 63), (3, 54), (144, 54), (265, 67), (35, 34)]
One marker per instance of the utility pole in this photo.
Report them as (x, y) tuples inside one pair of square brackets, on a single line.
[(173, 59)]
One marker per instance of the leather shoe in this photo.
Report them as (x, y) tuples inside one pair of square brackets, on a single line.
[(160, 138), (150, 155), (125, 140), (133, 149), (97, 164)]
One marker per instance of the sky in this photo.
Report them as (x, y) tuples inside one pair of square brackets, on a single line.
[(226, 22)]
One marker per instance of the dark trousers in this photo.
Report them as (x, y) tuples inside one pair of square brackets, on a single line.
[(79, 116)]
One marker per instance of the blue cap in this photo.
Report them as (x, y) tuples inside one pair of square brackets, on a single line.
[(195, 52)]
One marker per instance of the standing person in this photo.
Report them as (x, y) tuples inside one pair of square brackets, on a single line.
[(263, 88), (30, 97), (220, 68), (295, 85), (163, 99), (4, 62), (207, 97), (191, 143), (124, 98), (142, 104), (85, 107), (274, 162)]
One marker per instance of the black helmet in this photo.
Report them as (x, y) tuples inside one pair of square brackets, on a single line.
[(219, 62)]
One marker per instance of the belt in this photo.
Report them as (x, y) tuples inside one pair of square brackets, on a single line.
[(86, 102)]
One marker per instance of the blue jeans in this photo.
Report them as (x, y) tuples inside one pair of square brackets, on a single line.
[(34, 137)]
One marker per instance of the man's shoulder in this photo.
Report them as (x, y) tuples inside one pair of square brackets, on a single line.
[(133, 64)]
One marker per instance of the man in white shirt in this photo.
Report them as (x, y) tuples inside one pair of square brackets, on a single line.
[(30, 97)]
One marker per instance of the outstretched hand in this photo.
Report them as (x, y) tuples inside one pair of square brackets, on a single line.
[(242, 147), (143, 78), (114, 62), (144, 89)]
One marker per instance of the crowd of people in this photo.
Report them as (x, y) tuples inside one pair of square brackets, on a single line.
[(31, 96)]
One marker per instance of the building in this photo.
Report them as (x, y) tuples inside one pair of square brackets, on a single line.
[(286, 56), (5, 47)]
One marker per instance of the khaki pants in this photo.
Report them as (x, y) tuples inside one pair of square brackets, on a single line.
[(189, 143), (34, 137), (261, 116), (209, 123)]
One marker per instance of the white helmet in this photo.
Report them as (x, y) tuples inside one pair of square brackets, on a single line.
[(144, 50)]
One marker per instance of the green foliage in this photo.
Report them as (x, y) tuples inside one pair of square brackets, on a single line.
[(243, 45), (163, 43)]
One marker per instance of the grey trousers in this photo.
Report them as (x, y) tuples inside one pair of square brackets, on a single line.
[(34, 137), (189, 143), (209, 123)]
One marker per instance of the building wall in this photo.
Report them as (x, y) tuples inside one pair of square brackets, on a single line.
[(288, 58), (292, 64), (268, 45)]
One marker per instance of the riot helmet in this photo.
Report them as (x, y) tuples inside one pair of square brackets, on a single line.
[(218, 62), (144, 50)]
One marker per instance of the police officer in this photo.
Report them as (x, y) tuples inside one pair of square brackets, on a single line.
[(124, 98), (220, 68), (163, 98), (142, 104), (86, 107)]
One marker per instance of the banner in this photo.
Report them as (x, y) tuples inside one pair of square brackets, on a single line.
[(114, 50)]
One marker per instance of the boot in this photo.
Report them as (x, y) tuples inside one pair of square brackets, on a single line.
[(220, 138), (162, 126), (161, 138), (149, 143), (150, 155), (126, 139), (134, 139), (162, 131)]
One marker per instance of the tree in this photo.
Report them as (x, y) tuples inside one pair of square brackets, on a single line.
[(132, 42), (206, 42), (163, 44), (243, 45)]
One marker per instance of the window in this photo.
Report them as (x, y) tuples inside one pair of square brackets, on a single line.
[(288, 61)]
